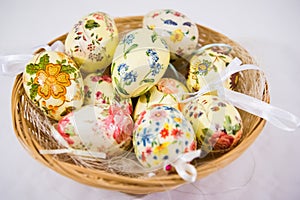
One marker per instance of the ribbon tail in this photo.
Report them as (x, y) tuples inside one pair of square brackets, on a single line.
[(12, 65), (276, 116), (185, 170)]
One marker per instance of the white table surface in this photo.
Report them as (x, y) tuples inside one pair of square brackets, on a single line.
[(269, 30)]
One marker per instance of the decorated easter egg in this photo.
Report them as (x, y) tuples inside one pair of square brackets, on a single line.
[(92, 42), (140, 61), (106, 129), (216, 123), (205, 68), (166, 92), (98, 90), (54, 83), (162, 134), (180, 33)]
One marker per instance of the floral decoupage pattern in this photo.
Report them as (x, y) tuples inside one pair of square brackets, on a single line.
[(161, 134), (106, 129), (92, 42), (217, 124), (180, 33), (98, 90), (140, 61), (165, 92), (205, 68), (53, 82)]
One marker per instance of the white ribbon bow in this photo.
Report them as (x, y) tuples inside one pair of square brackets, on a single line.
[(12, 65), (185, 170), (276, 116)]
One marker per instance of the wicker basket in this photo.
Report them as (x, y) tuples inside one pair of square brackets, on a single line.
[(34, 133)]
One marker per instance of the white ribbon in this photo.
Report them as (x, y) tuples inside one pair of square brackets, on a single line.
[(185, 170), (276, 116), (75, 152), (68, 149), (12, 65)]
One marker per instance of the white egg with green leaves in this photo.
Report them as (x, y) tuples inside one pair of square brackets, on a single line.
[(92, 42)]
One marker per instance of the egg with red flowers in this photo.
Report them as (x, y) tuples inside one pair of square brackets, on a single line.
[(161, 134)]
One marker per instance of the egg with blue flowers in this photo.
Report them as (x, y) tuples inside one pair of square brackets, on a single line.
[(140, 61), (162, 133)]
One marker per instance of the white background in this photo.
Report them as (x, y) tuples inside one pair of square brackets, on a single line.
[(269, 30)]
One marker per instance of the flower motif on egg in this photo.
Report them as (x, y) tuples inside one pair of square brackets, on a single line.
[(98, 90), (205, 68), (216, 123), (92, 42), (179, 32), (165, 92), (133, 77), (161, 134), (53, 82), (177, 35)]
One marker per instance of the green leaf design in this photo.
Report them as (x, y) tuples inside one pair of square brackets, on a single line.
[(33, 91), (130, 49), (227, 119), (207, 132), (148, 80), (154, 37), (120, 89), (147, 95), (44, 60), (67, 69), (91, 24), (67, 110), (236, 128), (193, 38), (113, 66), (32, 68), (88, 94)]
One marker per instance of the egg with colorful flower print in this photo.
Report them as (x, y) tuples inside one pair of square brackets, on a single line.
[(205, 68), (53, 82), (162, 133), (166, 92), (140, 61), (106, 129), (98, 90), (92, 42), (217, 124), (180, 33)]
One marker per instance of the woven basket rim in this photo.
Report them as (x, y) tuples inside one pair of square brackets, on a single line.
[(103, 179)]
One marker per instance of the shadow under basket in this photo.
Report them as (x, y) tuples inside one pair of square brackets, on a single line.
[(33, 129)]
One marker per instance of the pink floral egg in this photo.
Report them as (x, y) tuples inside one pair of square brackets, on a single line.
[(106, 129), (162, 133), (98, 90), (165, 92), (216, 123)]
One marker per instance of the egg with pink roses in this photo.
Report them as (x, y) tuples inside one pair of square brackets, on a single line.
[(97, 129)]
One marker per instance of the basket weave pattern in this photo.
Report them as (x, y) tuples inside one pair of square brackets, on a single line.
[(33, 131)]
